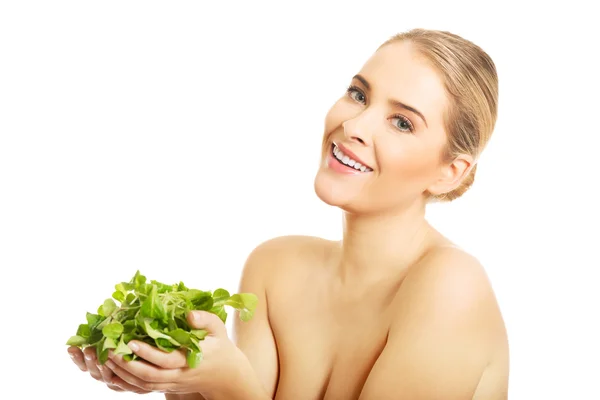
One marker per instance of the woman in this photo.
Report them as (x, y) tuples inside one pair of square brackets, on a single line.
[(394, 309)]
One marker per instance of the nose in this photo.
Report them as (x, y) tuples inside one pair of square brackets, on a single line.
[(358, 129)]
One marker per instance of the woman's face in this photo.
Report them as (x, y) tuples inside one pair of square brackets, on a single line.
[(390, 121)]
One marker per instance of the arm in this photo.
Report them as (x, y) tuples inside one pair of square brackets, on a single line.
[(191, 396), (254, 338), (440, 340)]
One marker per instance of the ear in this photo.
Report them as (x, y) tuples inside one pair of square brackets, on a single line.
[(451, 175)]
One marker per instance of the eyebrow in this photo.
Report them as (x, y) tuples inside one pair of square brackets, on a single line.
[(394, 103)]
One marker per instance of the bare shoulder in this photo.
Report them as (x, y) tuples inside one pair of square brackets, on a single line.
[(453, 287), (288, 246), (450, 274), (280, 255), (446, 333)]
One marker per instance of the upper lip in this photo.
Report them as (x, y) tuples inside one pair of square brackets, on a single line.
[(350, 154)]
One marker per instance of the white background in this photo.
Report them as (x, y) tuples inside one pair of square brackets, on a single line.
[(173, 137)]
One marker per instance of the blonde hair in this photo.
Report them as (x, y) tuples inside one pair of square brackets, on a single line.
[(471, 82)]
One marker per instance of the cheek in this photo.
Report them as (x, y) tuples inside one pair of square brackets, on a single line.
[(408, 160)]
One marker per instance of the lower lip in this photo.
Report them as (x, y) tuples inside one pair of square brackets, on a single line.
[(335, 165)]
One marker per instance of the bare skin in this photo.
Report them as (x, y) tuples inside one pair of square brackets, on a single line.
[(314, 338), (376, 341), (393, 310)]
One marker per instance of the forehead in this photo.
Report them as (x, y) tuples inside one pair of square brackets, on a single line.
[(397, 71)]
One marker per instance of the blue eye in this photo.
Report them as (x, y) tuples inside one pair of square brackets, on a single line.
[(402, 123), (356, 95)]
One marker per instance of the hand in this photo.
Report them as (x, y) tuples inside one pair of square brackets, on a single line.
[(86, 361), (160, 371)]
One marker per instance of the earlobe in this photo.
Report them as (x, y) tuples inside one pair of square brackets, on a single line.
[(452, 175)]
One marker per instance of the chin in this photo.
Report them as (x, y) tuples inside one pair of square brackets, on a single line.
[(326, 195), (335, 193)]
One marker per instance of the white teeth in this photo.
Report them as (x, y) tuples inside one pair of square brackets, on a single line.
[(348, 161)]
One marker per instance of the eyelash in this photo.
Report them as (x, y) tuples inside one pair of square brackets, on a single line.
[(401, 117)]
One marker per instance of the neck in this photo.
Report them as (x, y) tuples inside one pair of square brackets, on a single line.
[(375, 247)]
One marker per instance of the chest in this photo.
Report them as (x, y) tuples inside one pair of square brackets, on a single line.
[(328, 348)]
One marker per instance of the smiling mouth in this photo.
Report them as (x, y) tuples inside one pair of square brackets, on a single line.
[(346, 160)]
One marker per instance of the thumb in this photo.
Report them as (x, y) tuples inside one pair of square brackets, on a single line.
[(208, 321)]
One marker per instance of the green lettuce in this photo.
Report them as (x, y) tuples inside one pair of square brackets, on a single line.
[(155, 313)]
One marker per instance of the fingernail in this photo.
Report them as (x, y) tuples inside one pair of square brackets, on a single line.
[(197, 317), (100, 368), (110, 364), (71, 355), (133, 346), (88, 357)]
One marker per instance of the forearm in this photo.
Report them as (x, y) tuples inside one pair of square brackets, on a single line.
[(243, 384), (189, 396), (238, 391)]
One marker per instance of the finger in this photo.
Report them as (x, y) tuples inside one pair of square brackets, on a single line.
[(119, 385), (173, 360), (115, 388), (77, 357), (107, 374), (145, 371), (89, 355), (136, 382), (207, 321)]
